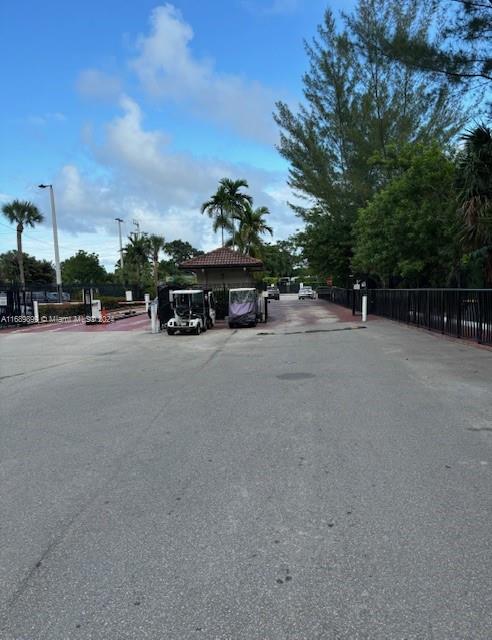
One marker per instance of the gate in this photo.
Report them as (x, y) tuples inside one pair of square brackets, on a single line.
[(16, 306), (288, 287)]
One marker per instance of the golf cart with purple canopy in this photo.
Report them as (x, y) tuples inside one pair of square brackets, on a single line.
[(244, 308)]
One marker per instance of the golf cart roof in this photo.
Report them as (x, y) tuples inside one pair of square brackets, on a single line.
[(186, 291), (244, 289)]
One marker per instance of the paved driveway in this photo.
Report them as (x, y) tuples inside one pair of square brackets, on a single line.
[(305, 479)]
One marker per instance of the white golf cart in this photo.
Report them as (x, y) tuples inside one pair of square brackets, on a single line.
[(194, 311)]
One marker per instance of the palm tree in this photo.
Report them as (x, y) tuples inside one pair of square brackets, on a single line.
[(137, 253), (25, 214), (251, 227), (236, 200), (156, 245), (474, 181), (216, 208)]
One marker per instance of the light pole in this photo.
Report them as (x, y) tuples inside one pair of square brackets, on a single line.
[(119, 221), (55, 240)]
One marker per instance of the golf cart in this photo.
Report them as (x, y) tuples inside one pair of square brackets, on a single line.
[(194, 311), (244, 308)]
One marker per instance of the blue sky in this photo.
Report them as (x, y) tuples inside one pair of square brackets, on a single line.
[(137, 110)]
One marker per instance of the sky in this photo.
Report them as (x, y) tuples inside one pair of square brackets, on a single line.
[(136, 110)]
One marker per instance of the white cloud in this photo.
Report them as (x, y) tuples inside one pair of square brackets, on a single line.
[(168, 70), (274, 7), (47, 118), (98, 85), (282, 6), (134, 174), (82, 203)]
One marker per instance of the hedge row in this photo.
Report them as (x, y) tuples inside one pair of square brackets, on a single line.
[(61, 310), (70, 309)]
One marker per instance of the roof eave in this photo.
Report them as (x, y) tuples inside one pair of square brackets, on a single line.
[(249, 267)]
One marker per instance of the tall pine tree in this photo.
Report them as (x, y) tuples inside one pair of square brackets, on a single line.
[(359, 105)]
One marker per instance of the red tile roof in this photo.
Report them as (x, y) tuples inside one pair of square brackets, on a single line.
[(223, 257)]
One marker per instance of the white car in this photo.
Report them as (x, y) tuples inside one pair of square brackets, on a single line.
[(306, 292)]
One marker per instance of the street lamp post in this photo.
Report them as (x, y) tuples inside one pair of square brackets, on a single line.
[(119, 221), (55, 240)]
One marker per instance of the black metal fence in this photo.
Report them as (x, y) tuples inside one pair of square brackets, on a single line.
[(16, 304), (462, 313), (73, 292)]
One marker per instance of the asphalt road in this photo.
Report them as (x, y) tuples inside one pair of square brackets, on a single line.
[(319, 481)]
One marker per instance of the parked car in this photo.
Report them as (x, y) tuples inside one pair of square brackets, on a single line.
[(50, 296), (273, 292), (306, 292)]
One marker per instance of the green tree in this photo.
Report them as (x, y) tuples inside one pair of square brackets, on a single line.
[(179, 251), (236, 201), (217, 209), (326, 242), (226, 204), (409, 230), (83, 268), (460, 50), (252, 226), (359, 104), (280, 259), (23, 214), (156, 245), (35, 271), (136, 259), (474, 184)]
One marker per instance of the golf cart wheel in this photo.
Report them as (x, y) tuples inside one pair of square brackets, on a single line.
[(170, 332)]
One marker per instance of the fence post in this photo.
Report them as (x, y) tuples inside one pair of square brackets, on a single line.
[(480, 318), (35, 308), (458, 315), (443, 314), (153, 318)]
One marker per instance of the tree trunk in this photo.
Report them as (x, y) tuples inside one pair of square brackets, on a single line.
[(156, 274), (20, 256)]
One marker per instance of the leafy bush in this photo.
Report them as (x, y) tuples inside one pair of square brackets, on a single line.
[(110, 302), (61, 310)]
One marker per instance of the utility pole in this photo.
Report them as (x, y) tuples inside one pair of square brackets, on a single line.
[(55, 240), (137, 224), (119, 221)]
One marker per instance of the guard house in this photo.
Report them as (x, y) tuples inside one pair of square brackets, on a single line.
[(223, 267)]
